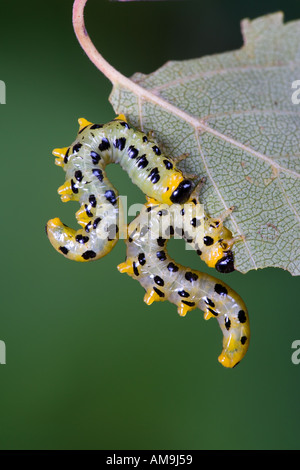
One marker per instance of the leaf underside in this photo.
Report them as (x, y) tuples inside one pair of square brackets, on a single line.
[(233, 113)]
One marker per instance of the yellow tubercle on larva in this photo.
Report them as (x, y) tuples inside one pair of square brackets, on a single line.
[(120, 117), (82, 217), (66, 193), (184, 309), (59, 162), (151, 201), (54, 223), (208, 315), (125, 268), (83, 123), (60, 153), (151, 296)]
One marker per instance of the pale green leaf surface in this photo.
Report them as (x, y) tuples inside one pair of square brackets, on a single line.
[(234, 115)]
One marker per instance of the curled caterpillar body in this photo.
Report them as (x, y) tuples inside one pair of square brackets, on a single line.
[(163, 279), (84, 163), (211, 240)]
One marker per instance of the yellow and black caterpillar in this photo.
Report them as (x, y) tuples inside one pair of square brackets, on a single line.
[(173, 209), (84, 162), (163, 279)]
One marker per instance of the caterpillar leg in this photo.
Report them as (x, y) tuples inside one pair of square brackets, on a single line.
[(152, 296), (125, 267), (60, 154), (191, 176), (151, 135), (181, 157), (183, 309), (194, 197)]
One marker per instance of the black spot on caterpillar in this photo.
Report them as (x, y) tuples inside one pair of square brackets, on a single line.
[(84, 163), (164, 279)]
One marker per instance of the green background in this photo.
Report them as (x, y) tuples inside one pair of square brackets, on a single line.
[(89, 365)]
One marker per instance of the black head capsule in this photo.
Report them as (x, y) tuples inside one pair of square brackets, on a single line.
[(226, 264), (182, 192)]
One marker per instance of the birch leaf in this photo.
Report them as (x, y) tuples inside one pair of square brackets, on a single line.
[(234, 114)]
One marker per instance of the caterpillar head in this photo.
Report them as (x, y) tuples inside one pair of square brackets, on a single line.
[(182, 193), (226, 263), (178, 189), (216, 251), (216, 256)]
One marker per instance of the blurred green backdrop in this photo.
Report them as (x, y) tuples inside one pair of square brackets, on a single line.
[(89, 365)]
